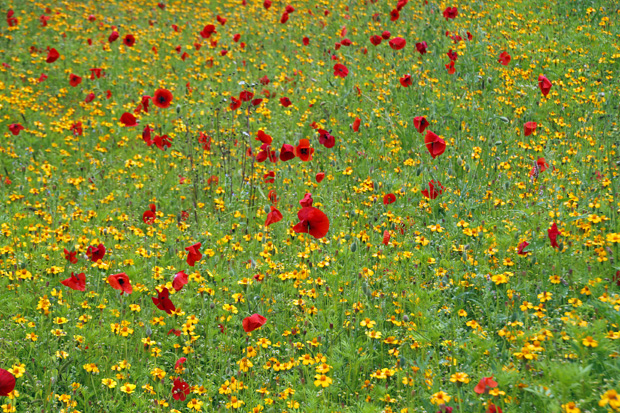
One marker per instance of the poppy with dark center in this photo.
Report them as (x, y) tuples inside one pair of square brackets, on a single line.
[(71, 256), (434, 190), (307, 200), (521, 248), (149, 215), (553, 233), (405, 81), (356, 125), (163, 301), (394, 15), (273, 216), (312, 221), (74, 80), (421, 47), (128, 120), (286, 102), (180, 390), (340, 70), (193, 254), (207, 31), (303, 151), (435, 145), (7, 383), (529, 128), (450, 67), (287, 152), (162, 142), (544, 84), (95, 253), (120, 282), (113, 36), (504, 58), (129, 40), (180, 279), (162, 98), (452, 55), (450, 13), (305, 41), (389, 199), (420, 123), (15, 128), (253, 322), (484, 385), (376, 40), (397, 43), (76, 282), (326, 139), (52, 55)]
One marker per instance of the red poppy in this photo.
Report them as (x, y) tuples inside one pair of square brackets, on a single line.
[(493, 408), (120, 282), (89, 98), (386, 237), (450, 13), (305, 41), (236, 38), (452, 55), (15, 128), (521, 249), (541, 165), (128, 120), (11, 21), (263, 137), (162, 142), (180, 390), (376, 40), (284, 18), (326, 139), (544, 84), (193, 254), (312, 221), (307, 200), (180, 279), (504, 58), (44, 19), (149, 215), (267, 4), (405, 81), (7, 383), (264, 80), (303, 151), (394, 15), (386, 35), (320, 176), (397, 43), (434, 190), (207, 31), (234, 103), (269, 177), (356, 125), (420, 123), (286, 102), (52, 55), (421, 47), (273, 216), (553, 233), (163, 301), (162, 98), (113, 36), (74, 80), (220, 20), (71, 256), (77, 129), (265, 153), (96, 253), (340, 70), (253, 322), (287, 152), (485, 384), (180, 362), (289, 9), (529, 128), (129, 40), (389, 199), (76, 282), (42, 77), (435, 145), (273, 197), (146, 135), (246, 96), (450, 67)]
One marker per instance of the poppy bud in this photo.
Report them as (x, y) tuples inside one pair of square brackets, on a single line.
[(266, 209), (178, 109), (353, 247)]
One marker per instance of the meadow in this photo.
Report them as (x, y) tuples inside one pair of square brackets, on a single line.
[(349, 206)]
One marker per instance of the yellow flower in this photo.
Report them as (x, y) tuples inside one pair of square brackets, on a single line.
[(570, 407), (235, 403), (459, 378), (440, 398), (195, 404), (110, 383), (610, 397), (589, 342), (128, 388), (322, 380)]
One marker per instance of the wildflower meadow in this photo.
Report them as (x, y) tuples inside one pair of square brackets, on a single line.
[(309, 206)]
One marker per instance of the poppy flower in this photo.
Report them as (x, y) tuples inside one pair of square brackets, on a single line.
[(521, 249), (287, 152), (356, 125), (450, 67), (389, 199), (89, 98), (246, 96), (553, 233), (326, 139), (493, 408), (15, 128), (265, 153), (269, 177), (129, 40), (180, 390), (74, 80), (42, 78), (386, 35), (263, 137), (286, 102), (96, 253), (485, 384), (193, 254), (146, 135), (273, 197), (220, 20), (540, 165), (450, 13), (149, 215), (180, 279), (76, 282), (420, 123), (163, 301), (394, 15), (273, 216), (405, 81), (386, 237), (421, 47), (128, 120), (529, 128), (7, 383), (207, 31), (305, 41), (307, 200), (504, 58), (435, 145), (264, 80), (162, 98), (44, 19), (312, 221), (267, 4), (397, 43), (319, 177), (376, 40), (303, 151), (253, 322), (162, 142), (434, 190), (452, 55), (289, 9), (544, 84), (120, 282), (284, 18), (52, 55), (11, 21), (71, 256), (340, 70), (113, 36), (234, 103)]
